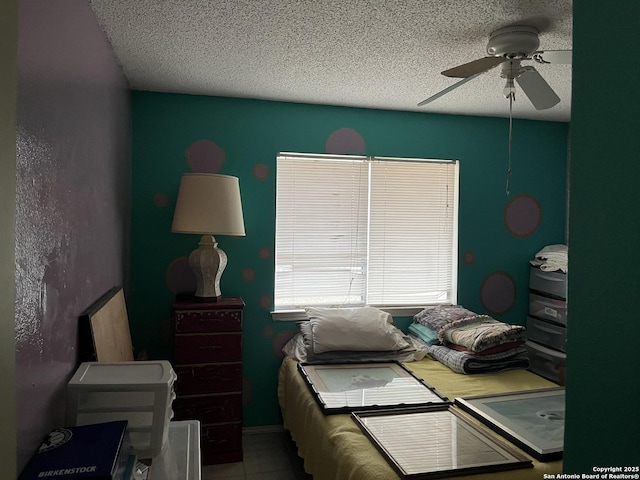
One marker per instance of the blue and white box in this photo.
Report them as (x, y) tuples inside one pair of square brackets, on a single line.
[(90, 452)]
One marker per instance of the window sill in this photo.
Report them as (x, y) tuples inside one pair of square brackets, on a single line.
[(299, 315)]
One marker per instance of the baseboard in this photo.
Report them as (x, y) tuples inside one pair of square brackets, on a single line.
[(262, 429)]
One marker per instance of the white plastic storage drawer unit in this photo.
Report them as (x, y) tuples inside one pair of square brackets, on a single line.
[(548, 283), (546, 362), (547, 333), (548, 308), (139, 392)]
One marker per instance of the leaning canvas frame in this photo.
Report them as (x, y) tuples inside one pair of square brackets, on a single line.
[(533, 420), (436, 442), (104, 330), (343, 388)]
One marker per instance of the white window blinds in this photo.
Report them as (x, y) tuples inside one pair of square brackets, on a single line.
[(354, 230)]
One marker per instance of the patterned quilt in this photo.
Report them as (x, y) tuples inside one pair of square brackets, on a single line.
[(481, 332), (467, 363)]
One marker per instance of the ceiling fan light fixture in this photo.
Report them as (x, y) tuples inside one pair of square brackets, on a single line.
[(508, 48), (516, 41)]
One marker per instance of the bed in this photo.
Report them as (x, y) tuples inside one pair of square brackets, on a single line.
[(334, 448)]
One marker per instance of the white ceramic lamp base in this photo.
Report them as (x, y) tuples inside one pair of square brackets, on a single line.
[(207, 263)]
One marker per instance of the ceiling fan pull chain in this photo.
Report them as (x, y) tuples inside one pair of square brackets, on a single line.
[(511, 98)]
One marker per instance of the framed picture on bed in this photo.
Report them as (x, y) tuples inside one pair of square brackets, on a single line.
[(343, 388), (533, 420), (436, 442)]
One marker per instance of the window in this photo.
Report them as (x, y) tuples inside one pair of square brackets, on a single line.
[(353, 231)]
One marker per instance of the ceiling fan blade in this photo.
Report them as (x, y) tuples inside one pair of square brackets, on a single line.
[(537, 89), (553, 56), (472, 68), (447, 90)]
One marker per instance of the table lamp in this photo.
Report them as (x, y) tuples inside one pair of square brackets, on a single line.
[(208, 204)]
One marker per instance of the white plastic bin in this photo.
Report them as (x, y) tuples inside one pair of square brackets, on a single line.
[(548, 308), (546, 362), (140, 392), (180, 457), (552, 283), (546, 333)]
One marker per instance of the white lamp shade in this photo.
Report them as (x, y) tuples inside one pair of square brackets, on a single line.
[(209, 204)]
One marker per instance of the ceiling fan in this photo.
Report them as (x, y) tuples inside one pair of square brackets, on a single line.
[(509, 47)]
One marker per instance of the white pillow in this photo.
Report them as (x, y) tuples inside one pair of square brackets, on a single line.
[(358, 329)]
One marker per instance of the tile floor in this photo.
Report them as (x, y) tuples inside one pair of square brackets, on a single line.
[(267, 456)]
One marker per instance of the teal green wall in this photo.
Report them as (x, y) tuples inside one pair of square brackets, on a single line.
[(243, 137), (603, 424)]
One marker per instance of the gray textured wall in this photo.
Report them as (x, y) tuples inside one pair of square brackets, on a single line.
[(72, 198)]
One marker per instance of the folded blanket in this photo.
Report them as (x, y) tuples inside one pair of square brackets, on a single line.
[(467, 363), (487, 351), (425, 334), (481, 332), (437, 316)]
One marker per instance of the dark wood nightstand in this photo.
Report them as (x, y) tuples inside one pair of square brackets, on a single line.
[(208, 362)]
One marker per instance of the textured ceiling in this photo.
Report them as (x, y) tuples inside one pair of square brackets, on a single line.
[(385, 54)]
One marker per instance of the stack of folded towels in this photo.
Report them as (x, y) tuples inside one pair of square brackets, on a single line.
[(467, 342), (552, 258)]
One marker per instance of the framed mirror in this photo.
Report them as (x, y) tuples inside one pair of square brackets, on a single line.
[(343, 388)]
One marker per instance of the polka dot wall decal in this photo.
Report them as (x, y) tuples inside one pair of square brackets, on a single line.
[(280, 340), (161, 200), (469, 257), (248, 275), (265, 301), (267, 331), (179, 277), (522, 215), (264, 253), (345, 141), (261, 171), (204, 156), (498, 293)]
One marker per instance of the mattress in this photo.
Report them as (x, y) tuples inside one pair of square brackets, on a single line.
[(334, 448)]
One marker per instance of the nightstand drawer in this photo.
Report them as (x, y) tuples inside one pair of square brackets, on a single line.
[(208, 378), (208, 361), (208, 348), (209, 408), (197, 321), (221, 443)]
